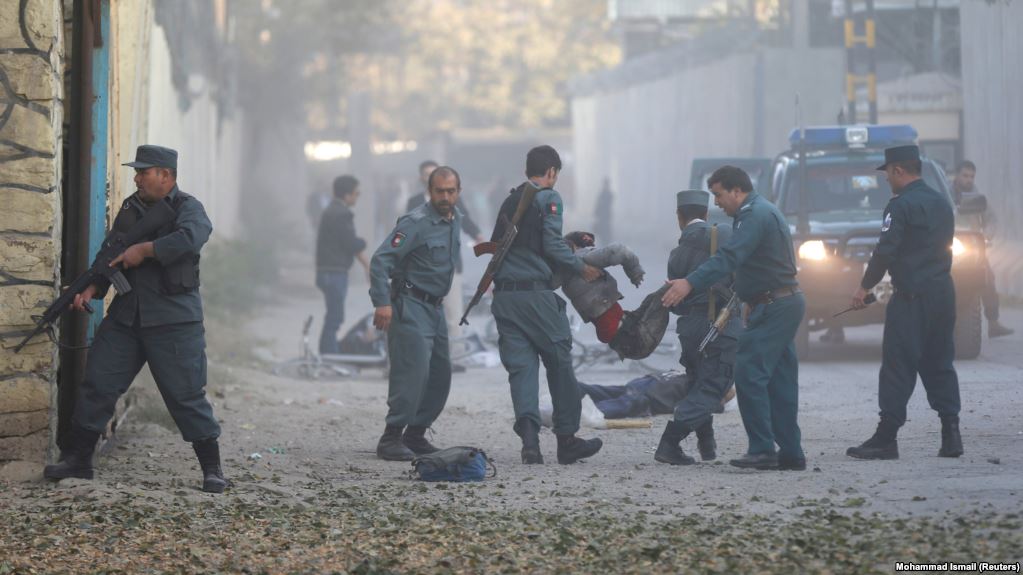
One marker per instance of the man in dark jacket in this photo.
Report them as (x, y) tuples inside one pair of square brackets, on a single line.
[(963, 188), (337, 247)]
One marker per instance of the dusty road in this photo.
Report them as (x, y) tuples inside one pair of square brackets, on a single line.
[(316, 471)]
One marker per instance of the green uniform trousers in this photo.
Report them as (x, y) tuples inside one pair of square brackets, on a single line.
[(711, 371), (176, 355), (420, 376), (533, 327), (767, 377)]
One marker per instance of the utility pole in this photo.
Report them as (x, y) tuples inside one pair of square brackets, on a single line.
[(859, 54)]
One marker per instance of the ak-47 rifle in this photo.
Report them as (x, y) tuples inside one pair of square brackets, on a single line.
[(499, 249), (157, 216), (868, 299), (719, 323)]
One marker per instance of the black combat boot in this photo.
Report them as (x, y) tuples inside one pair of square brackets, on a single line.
[(414, 438), (951, 441), (705, 441), (881, 445), (761, 461), (668, 450), (208, 453), (391, 448), (76, 461), (572, 448), (530, 433)]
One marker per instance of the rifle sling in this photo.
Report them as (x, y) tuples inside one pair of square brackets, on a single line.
[(711, 308)]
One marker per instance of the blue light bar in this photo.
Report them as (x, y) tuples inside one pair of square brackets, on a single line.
[(836, 136)]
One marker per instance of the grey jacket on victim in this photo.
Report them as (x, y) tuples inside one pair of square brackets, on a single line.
[(592, 299)]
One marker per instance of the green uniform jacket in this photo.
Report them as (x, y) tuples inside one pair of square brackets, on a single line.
[(760, 253), (524, 264), (148, 299), (422, 250)]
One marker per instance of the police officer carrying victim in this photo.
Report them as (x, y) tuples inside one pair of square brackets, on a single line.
[(711, 370), (531, 318), (761, 255), (159, 322), (915, 249), (411, 272)]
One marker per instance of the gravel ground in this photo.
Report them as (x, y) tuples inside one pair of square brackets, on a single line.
[(620, 511)]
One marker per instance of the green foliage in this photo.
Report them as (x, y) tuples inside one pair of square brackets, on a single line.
[(427, 64)]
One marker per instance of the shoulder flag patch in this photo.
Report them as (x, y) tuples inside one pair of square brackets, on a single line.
[(887, 222), (397, 240), (555, 209)]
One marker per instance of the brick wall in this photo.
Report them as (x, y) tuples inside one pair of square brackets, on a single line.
[(31, 115)]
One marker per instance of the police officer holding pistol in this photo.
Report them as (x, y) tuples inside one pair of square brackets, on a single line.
[(159, 322), (915, 249), (761, 255), (710, 370), (411, 273)]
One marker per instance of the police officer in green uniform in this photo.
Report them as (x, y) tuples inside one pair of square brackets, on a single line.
[(159, 322), (711, 370), (766, 373), (411, 273), (531, 319), (915, 248)]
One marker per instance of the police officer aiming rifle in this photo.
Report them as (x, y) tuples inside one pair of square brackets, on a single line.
[(159, 321)]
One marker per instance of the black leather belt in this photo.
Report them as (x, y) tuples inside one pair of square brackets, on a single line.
[(526, 285), (775, 294), (421, 295)]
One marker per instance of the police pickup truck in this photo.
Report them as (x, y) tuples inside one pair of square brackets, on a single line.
[(836, 225)]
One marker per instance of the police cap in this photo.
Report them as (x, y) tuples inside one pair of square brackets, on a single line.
[(692, 198), (900, 154), (149, 156)]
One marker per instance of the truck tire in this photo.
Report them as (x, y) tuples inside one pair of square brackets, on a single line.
[(968, 328), (803, 341)]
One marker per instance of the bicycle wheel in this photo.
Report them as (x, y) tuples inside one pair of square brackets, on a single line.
[(310, 369)]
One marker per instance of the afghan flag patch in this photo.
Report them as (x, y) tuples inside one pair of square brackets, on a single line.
[(397, 240), (555, 209)]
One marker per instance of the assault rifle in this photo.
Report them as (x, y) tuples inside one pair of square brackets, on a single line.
[(719, 324), (869, 299), (157, 216), (499, 249)]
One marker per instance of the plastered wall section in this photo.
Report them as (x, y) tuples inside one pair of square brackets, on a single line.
[(31, 116)]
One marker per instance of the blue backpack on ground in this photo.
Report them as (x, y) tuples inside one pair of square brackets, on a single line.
[(453, 464)]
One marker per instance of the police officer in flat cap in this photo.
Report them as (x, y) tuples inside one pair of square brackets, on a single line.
[(761, 256), (159, 322), (410, 275), (915, 249), (709, 371)]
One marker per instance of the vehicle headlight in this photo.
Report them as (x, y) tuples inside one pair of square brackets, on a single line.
[(958, 248), (813, 250)]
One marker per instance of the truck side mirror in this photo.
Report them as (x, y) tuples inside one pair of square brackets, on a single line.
[(973, 204)]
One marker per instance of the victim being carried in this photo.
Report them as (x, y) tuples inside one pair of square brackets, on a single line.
[(597, 301)]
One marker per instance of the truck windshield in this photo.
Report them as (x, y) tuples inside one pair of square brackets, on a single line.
[(845, 186)]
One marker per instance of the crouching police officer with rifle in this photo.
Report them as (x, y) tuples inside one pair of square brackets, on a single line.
[(157, 320)]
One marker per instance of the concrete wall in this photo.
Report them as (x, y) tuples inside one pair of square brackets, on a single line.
[(148, 109), (992, 58), (31, 114), (644, 135)]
